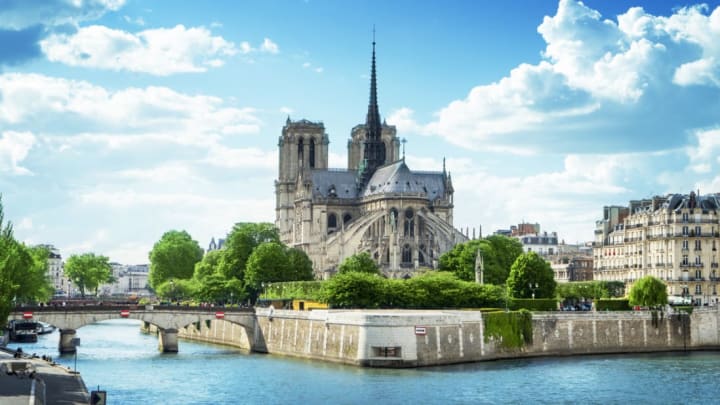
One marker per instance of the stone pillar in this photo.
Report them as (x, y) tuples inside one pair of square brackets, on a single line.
[(168, 340), (65, 343)]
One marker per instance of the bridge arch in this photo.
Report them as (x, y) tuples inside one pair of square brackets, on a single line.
[(168, 320)]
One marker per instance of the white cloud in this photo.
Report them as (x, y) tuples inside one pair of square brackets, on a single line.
[(25, 224), (36, 99), (269, 46), (17, 15), (14, 148), (137, 21), (601, 85), (156, 51), (286, 110)]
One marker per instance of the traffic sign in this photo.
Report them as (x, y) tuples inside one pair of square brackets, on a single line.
[(219, 315), (125, 313)]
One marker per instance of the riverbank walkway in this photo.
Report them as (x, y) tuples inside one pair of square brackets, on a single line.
[(26, 380)]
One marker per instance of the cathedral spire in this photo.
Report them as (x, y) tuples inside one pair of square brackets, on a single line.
[(373, 116), (374, 148)]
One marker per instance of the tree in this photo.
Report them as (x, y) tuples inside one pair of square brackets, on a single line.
[(267, 263), (208, 266), (359, 263), (22, 270), (177, 289), (648, 292), (498, 253), (354, 290), (300, 265), (241, 242), (173, 257), (531, 274), (34, 285), (87, 271)]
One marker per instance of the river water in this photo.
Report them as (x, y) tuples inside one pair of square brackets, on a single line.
[(115, 356)]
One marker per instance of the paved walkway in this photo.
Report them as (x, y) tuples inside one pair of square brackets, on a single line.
[(23, 377)]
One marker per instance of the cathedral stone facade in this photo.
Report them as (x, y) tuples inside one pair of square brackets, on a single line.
[(402, 218)]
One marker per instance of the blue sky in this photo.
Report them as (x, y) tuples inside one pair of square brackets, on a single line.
[(122, 119)]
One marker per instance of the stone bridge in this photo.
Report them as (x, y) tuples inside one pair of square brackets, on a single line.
[(168, 319)]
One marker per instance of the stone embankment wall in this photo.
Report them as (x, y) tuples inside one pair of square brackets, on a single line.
[(399, 338)]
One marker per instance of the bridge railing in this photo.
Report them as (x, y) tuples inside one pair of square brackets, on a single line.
[(90, 308)]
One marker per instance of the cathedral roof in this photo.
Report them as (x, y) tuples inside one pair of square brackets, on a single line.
[(398, 178), (334, 183)]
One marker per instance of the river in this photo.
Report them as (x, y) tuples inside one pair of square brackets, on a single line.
[(117, 358)]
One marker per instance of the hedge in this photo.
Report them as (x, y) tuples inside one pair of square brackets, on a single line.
[(292, 290), (612, 305), (538, 304)]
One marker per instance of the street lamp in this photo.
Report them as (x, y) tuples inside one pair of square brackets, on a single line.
[(533, 288)]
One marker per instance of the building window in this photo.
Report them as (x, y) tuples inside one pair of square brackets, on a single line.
[(332, 222), (698, 289), (698, 245), (346, 219), (409, 223), (393, 219), (685, 261), (697, 231), (312, 153), (698, 260), (685, 217), (300, 153), (406, 254), (698, 274), (685, 231), (685, 244)]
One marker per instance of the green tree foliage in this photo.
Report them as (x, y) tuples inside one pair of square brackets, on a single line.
[(529, 270), (648, 292), (430, 290), (240, 244), (498, 252), (354, 290), (173, 257), (267, 263), (576, 290), (87, 271), (208, 266), (22, 270), (359, 263), (177, 289), (34, 283), (300, 265)]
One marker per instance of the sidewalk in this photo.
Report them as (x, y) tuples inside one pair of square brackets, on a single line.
[(25, 377)]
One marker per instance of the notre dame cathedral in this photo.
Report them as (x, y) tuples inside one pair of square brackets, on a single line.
[(402, 218)]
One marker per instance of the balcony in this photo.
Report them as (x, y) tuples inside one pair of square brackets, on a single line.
[(698, 264)]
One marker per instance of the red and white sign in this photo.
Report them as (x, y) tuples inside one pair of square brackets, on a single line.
[(420, 330), (125, 313), (27, 315), (219, 315)]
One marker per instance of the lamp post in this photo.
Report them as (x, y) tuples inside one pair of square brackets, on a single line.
[(533, 287)]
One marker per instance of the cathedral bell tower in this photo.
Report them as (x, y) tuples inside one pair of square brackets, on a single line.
[(302, 147)]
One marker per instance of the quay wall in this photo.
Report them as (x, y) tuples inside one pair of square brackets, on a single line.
[(408, 338)]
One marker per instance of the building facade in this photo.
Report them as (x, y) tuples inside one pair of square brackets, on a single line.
[(402, 218), (674, 238)]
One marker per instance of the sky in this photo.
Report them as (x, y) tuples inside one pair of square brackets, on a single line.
[(123, 119)]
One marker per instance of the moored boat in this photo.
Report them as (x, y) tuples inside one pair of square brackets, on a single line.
[(22, 330)]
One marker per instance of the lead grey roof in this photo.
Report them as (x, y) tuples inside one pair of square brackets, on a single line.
[(342, 182), (398, 178)]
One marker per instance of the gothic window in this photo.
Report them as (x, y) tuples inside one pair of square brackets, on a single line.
[(332, 223), (346, 219), (300, 153), (406, 254), (312, 153), (409, 223)]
